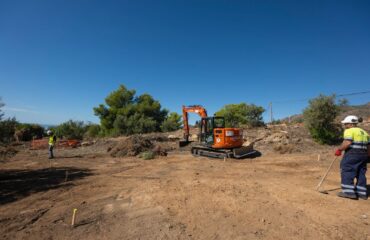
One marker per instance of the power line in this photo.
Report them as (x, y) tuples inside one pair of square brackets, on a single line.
[(306, 99), (337, 95), (349, 94)]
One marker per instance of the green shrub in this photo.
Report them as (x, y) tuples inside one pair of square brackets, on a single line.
[(27, 132), (276, 122), (1, 112), (319, 119), (7, 129), (93, 131), (148, 155), (298, 120), (71, 130)]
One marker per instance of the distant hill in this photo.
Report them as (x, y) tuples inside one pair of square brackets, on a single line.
[(357, 110), (360, 111)]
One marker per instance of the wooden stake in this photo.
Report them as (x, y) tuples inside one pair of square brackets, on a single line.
[(74, 216), (318, 157)]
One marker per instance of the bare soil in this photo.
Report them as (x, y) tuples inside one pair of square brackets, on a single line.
[(174, 197), (121, 196)]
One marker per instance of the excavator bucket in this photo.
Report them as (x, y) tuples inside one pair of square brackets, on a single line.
[(183, 143)]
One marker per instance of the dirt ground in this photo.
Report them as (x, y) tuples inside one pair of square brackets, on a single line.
[(175, 197)]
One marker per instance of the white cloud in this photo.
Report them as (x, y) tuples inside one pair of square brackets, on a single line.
[(24, 110)]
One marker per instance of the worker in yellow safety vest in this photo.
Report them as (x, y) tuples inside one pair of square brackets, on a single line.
[(353, 165), (52, 140)]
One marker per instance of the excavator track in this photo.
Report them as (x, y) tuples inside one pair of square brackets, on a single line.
[(210, 152), (237, 153)]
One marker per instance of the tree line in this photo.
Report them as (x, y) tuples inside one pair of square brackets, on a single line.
[(125, 113)]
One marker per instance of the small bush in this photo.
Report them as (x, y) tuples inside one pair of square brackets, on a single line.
[(7, 130), (282, 149), (148, 155), (298, 120), (93, 131), (27, 132), (319, 119), (276, 122), (71, 130)]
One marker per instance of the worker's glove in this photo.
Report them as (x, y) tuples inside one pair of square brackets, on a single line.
[(338, 153)]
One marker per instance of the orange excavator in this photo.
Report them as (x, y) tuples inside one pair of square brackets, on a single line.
[(214, 139)]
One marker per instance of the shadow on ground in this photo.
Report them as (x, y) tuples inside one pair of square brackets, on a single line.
[(17, 184)]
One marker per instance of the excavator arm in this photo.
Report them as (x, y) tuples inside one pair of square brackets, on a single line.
[(201, 111)]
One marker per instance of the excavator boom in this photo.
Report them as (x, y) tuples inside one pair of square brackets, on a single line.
[(201, 111)]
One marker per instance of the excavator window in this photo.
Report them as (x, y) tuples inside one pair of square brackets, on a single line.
[(209, 126), (209, 131), (219, 122)]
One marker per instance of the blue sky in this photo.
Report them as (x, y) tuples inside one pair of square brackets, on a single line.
[(59, 59)]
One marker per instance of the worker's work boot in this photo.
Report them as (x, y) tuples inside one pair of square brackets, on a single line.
[(363, 197), (346, 195)]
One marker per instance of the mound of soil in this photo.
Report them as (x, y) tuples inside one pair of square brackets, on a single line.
[(282, 139), (131, 146)]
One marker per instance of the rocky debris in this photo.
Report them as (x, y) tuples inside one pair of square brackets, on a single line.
[(7, 152), (248, 144), (282, 149), (87, 143), (158, 143), (131, 146), (172, 137), (159, 151), (281, 138), (155, 137)]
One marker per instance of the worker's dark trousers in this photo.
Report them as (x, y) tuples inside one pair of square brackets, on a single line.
[(353, 165), (51, 155)]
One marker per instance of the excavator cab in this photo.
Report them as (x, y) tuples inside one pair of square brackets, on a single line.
[(207, 129)]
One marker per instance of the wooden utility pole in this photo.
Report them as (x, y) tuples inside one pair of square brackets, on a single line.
[(271, 117)]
